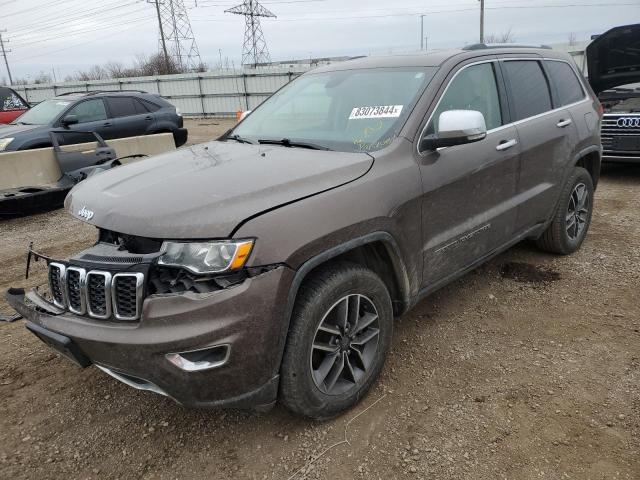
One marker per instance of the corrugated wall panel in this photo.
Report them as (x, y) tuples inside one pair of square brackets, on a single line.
[(220, 92)]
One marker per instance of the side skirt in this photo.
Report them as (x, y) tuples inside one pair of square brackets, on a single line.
[(426, 291)]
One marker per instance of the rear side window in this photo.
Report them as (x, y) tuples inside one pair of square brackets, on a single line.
[(566, 83), (140, 106), (529, 88), (121, 106), (152, 107)]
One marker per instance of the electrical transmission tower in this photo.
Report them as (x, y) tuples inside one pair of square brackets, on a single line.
[(176, 36), (254, 50)]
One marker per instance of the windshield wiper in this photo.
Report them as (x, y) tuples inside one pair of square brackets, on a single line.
[(22, 123), (238, 138), (285, 142)]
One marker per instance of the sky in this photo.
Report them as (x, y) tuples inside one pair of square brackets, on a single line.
[(63, 36)]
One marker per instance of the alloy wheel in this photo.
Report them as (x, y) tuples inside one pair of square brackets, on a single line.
[(345, 344), (578, 211)]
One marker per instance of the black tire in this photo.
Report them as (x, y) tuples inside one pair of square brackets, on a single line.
[(558, 238), (322, 295)]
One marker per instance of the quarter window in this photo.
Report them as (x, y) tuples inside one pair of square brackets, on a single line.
[(474, 88), (566, 83), (529, 88), (89, 111)]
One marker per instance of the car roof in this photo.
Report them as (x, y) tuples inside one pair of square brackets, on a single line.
[(438, 57)]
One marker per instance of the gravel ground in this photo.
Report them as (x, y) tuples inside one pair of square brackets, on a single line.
[(528, 367)]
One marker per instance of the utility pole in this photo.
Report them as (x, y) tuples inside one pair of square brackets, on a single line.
[(422, 32), (162, 38), (481, 21), (4, 54)]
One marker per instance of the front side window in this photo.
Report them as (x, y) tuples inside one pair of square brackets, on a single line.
[(529, 88), (473, 88), (349, 110), (89, 111), (567, 84)]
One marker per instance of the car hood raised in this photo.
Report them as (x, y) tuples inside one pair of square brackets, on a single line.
[(205, 191), (613, 58)]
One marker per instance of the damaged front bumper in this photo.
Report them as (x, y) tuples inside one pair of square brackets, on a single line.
[(221, 349)]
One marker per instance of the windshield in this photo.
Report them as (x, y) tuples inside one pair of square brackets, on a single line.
[(352, 110), (43, 113)]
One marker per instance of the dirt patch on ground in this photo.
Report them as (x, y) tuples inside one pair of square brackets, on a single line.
[(527, 273), (492, 377)]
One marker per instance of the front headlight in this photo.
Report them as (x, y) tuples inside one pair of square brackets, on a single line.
[(206, 257), (4, 143)]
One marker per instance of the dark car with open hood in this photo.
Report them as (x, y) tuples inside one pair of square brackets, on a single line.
[(613, 60), (270, 264)]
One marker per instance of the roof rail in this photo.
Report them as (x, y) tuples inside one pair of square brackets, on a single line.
[(484, 46), (96, 92)]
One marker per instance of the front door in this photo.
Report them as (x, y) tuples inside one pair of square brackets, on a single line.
[(92, 117), (469, 205)]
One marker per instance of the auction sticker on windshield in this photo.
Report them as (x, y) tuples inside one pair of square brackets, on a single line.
[(379, 111)]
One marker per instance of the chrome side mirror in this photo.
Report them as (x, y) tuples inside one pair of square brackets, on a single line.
[(457, 127)]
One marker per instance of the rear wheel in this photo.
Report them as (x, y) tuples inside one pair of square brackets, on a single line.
[(340, 334), (572, 218)]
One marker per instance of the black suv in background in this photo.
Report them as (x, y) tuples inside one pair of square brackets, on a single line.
[(613, 59), (110, 114)]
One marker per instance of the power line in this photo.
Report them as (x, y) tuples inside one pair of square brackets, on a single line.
[(65, 19)]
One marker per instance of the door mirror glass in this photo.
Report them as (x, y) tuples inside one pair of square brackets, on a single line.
[(456, 127), (70, 120)]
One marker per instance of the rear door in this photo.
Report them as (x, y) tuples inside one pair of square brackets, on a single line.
[(130, 118), (469, 200), (547, 139)]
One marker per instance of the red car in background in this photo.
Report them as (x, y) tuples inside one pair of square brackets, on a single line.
[(12, 105)]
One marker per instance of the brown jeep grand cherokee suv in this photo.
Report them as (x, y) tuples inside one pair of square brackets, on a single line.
[(270, 264)]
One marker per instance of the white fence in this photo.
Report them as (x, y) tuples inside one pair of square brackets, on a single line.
[(215, 93)]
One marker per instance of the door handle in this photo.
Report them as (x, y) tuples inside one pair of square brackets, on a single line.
[(148, 118), (106, 124), (564, 123), (506, 144)]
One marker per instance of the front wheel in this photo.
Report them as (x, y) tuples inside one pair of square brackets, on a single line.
[(341, 329), (572, 218)]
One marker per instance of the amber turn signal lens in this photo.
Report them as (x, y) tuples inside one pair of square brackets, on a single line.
[(241, 256)]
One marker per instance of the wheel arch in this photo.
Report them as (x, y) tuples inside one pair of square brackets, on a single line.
[(377, 251), (590, 159)]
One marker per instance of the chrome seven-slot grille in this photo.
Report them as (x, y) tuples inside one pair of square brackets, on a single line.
[(619, 125), (96, 293)]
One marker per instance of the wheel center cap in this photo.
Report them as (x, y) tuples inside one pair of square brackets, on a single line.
[(344, 343)]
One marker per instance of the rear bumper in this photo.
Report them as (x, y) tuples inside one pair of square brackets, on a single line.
[(248, 318)]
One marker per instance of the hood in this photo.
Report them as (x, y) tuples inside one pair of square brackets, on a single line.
[(205, 191), (613, 58), (13, 130)]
